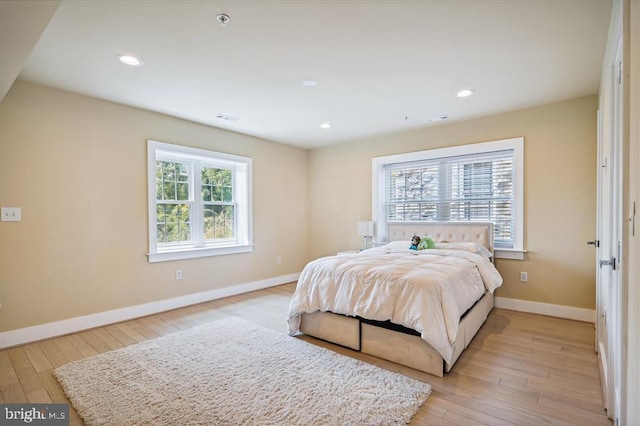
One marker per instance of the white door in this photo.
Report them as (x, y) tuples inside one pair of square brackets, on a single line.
[(609, 236)]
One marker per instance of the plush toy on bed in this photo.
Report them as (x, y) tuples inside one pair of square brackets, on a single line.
[(415, 242), (426, 243), (418, 243)]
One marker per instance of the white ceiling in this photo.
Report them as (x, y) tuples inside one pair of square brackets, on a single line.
[(381, 66)]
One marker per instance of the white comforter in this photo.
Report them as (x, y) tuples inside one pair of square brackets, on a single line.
[(425, 290)]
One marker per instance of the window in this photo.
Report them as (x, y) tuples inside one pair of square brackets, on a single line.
[(199, 202), (479, 182)]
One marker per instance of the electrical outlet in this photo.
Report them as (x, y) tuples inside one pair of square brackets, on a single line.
[(10, 214), (524, 277), (278, 260), (178, 274)]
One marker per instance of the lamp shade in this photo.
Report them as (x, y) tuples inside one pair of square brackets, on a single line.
[(365, 229)]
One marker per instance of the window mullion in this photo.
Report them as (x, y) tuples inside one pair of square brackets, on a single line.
[(196, 198), (234, 199), (444, 191)]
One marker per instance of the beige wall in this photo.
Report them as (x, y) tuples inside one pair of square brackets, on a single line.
[(77, 168), (560, 196)]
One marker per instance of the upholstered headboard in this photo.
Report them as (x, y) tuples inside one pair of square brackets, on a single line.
[(450, 232)]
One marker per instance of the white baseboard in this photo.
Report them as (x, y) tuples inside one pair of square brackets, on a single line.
[(72, 325), (560, 311)]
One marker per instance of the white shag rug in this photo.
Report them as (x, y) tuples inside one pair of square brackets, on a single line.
[(233, 372)]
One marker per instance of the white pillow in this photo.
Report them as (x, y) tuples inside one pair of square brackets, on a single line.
[(471, 247), (396, 245)]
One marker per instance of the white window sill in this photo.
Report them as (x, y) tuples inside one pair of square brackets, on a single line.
[(193, 253), (509, 254)]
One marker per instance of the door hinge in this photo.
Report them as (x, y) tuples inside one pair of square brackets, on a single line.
[(619, 72), (611, 262), (632, 219)]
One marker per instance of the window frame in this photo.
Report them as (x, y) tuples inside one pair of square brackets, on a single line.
[(516, 144), (198, 246)]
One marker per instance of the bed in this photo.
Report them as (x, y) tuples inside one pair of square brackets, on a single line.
[(416, 308)]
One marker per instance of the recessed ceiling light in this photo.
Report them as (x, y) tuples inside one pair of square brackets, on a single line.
[(325, 125), (309, 83), (130, 60), (465, 92)]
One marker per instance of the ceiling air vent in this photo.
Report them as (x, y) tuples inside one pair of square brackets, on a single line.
[(226, 118), (439, 118)]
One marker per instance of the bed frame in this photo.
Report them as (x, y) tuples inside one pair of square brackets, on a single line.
[(405, 346)]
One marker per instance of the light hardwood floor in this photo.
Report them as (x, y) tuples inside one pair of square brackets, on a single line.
[(520, 369)]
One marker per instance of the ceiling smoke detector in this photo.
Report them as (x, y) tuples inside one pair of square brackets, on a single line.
[(223, 18)]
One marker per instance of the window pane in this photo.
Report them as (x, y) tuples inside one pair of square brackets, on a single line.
[(182, 190), (184, 231), (182, 172), (173, 223), (227, 194), (412, 211), (160, 223), (411, 184), (216, 194), (206, 177), (217, 184), (464, 188), (168, 171), (172, 181), (226, 177), (183, 212), (169, 191), (161, 233), (206, 193), (218, 222)]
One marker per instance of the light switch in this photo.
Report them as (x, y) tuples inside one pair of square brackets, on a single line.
[(10, 214)]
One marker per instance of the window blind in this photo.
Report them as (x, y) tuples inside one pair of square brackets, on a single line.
[(474, 187)]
